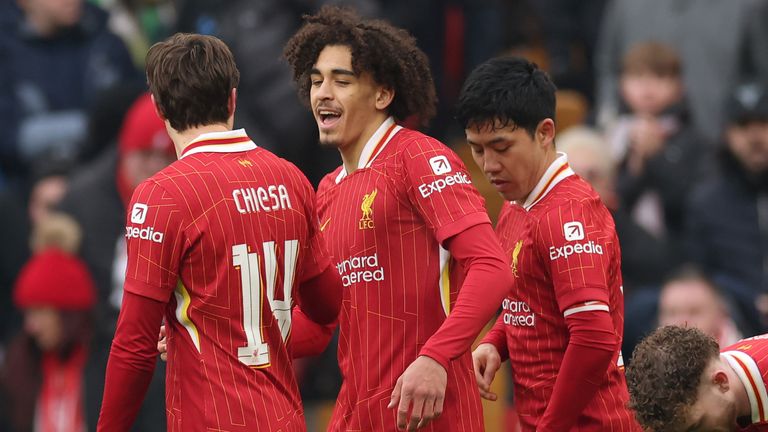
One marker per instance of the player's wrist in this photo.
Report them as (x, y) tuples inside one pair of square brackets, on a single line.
[(438, 358)]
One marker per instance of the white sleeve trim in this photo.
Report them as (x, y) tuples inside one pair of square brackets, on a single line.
[(588, 306)]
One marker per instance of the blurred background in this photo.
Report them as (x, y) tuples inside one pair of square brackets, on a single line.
[(662, 107)]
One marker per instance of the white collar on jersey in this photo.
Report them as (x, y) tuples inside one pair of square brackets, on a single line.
[(557, 172), (219, 142), (749, 375), (376, 143)]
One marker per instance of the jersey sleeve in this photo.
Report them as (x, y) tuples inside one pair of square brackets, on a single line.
[(440, 187), (155, 241), (575, 240), (316, 256)]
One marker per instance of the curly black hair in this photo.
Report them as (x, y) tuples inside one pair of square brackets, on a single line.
[(665, 373), (388, 53), (506, 91)]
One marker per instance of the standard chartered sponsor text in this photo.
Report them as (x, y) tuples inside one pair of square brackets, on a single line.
[(518, 313), (364, 268)]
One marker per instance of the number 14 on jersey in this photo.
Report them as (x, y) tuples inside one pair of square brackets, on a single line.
[(252, 275)]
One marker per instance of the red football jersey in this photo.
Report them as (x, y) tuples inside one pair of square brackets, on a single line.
[(225, 234), (384, 225), (749, 359), (565, 259)]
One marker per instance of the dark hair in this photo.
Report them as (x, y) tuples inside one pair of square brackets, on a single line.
[(652, 57), (664, 375), (506, 91), (388, 53), (191, 77), (692, 273)]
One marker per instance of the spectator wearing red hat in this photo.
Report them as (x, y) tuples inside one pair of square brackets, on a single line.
[(97, 199), (43, 377)]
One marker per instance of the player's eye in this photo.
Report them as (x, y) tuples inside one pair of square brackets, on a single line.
[(477, 150), (501, 149), (342, 83), (316, 82)]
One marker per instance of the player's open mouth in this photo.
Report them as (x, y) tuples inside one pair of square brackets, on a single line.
[(327, 118)]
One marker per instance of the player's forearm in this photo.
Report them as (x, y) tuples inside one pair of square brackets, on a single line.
[(131, 362), (320, 297), (592, 346), (488, 280), (497, 336), (308, 338)]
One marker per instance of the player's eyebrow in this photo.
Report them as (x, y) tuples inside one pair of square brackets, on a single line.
[(496, 140), (337, 71)]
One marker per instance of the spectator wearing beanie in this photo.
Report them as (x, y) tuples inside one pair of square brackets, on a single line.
[(43, 376), (96, 199)]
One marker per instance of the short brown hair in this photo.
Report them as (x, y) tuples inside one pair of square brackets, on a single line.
[(388, 53), (652, 57), (665, 373), (191, 77)]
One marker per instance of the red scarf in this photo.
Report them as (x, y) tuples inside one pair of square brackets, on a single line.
[(60, 405)]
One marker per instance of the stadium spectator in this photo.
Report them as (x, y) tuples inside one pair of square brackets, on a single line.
[(208, 238), (57, 55), (561, 326), (681, 380), (690, 299), (727, 217), (42, 379), (658, 151), (402, 220), (709, 74)]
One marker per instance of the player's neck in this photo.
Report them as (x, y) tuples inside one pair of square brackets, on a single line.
[(182, 139), (536, 179), (350, 154)]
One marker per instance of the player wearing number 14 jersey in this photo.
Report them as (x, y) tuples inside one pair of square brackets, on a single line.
[(222, 243)]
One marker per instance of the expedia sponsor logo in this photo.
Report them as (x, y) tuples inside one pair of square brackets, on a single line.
[(438, 185), (518, 313), (567, 250), (147, 233), (360, 269)]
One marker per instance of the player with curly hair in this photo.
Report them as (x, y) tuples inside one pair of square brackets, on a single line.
[(679, 380), (422, 268)]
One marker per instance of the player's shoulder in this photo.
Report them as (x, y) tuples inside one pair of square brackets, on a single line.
[(570, 193), (411, 142), (329, 180)]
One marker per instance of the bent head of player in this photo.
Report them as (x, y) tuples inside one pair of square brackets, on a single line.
[(507, 109), (193, 79), (355, 73), (677, 382)]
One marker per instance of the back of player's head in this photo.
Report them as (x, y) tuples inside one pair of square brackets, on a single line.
[(388, 53), (665, 374), (506, 91), (191, 77)]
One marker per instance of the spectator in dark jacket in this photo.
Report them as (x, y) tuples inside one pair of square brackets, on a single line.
[(658, 151), (727, 221), (56, 56)]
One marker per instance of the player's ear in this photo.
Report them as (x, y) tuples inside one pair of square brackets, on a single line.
[(720, 379), (384, 97), (545, 132), (157, 109)]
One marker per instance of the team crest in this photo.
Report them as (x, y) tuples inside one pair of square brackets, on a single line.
[(366, 222), (515, 254), (245, 162)]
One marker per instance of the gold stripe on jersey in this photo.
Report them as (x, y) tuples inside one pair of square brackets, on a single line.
[(182, 313), (749, 374), (445, 280)]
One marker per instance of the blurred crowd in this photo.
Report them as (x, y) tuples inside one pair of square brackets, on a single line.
[(662, 107)]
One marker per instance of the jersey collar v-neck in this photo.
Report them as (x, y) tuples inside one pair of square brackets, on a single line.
[(374, 146), (219, 142)]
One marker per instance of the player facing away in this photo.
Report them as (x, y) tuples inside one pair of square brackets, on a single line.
[(561, 326), (222, 243), (680, 380), (421, 267)]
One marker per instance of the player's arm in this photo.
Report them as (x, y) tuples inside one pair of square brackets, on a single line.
[(488, 356), (308, 338), (131, 361), (580, 284), (487, 281)]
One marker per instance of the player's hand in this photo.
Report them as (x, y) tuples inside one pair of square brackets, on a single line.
[(162, 344), (486, 361), (423, 386)]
